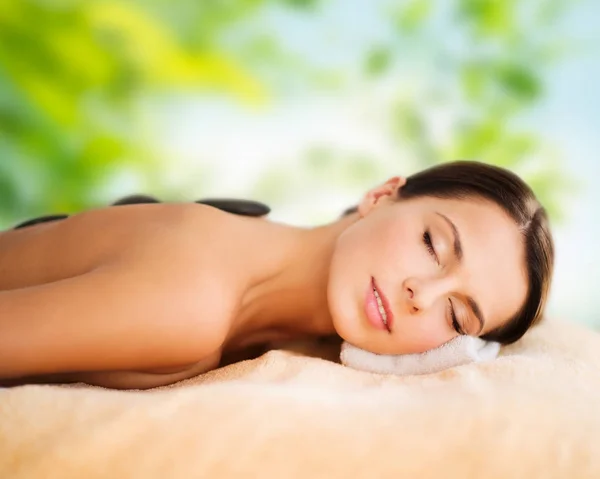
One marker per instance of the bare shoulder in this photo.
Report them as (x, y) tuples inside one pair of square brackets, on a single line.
[(207, 243), (70, 247), (165, 301), (192, 252), (187, 227)]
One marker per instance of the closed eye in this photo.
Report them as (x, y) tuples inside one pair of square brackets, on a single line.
[(429, 245), (455, 323)]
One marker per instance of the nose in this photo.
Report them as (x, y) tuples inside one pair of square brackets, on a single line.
[(422, 294), (409, 289)]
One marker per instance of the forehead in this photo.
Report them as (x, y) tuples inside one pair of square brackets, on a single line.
[(493, 265)]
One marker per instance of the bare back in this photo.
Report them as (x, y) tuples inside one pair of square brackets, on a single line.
[(145, 279), (66, 248)]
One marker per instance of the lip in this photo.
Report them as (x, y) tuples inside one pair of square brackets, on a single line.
[(372, 309), (386, 306)]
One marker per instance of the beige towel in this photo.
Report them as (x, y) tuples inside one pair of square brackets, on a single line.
[(533, 412)]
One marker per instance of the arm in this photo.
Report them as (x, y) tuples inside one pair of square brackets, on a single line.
[(117, 317)]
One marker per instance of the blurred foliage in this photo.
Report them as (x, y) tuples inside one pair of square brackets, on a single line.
[(76, 79), (73, 79), (482, 65), (496, 66), (486, 63)]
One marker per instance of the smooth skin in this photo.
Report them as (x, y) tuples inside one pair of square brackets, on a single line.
[(145, 295)]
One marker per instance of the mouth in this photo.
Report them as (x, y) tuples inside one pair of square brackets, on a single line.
[(377, 308)]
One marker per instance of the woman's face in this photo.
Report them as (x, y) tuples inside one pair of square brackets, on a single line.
[(440, 268)]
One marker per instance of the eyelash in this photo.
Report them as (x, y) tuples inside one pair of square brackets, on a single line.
[(431, 250), (455, 324), (429, 245)]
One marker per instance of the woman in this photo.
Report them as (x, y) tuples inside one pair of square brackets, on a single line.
[(148, 294)]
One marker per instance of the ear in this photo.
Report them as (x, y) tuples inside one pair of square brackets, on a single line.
[(382, 193)]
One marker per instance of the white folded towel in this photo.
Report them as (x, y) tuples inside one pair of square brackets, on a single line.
[(457, 351)]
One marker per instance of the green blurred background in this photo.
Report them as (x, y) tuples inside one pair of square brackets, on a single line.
[(302, 104)]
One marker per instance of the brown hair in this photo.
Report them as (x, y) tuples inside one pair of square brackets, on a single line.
[(468, 179)]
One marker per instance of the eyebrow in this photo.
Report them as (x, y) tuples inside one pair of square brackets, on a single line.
[(458, 252)]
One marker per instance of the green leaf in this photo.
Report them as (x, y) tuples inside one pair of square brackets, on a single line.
[(378, 61), (519, 81), (411, 16)]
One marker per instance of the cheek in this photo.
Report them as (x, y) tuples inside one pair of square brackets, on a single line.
[(400, 255), (342, 270), (421, 334), (364, 249), (417, 333)]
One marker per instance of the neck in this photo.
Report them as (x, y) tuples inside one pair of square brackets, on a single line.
[(286, 292)]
